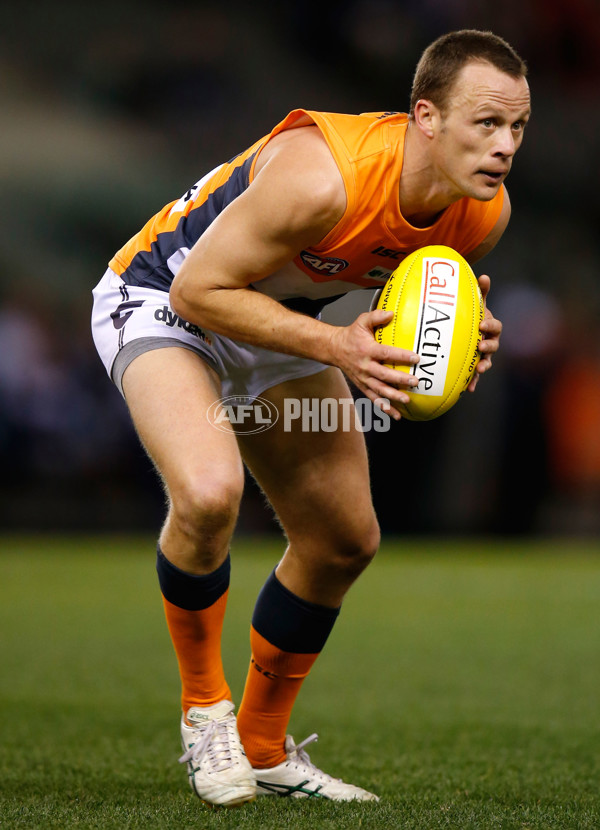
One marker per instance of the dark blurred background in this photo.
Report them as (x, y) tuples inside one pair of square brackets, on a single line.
[(109, 111)]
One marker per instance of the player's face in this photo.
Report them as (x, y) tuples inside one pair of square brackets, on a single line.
[(481, 130)]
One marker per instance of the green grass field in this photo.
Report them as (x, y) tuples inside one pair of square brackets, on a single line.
[(462, 684)]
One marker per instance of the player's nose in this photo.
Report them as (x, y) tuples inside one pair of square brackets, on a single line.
[(505, 144)]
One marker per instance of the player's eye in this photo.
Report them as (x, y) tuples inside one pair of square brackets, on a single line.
[(488, 123)]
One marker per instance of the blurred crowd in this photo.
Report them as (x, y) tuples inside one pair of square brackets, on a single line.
[(109, 112)]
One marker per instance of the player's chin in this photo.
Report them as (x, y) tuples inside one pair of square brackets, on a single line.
[(485, 193), (487, 186)]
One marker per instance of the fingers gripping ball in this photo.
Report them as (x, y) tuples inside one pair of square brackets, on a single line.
[(438, 308)]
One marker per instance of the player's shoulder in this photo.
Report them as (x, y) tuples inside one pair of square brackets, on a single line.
[(301, 145), (300, 161), (496, 230)]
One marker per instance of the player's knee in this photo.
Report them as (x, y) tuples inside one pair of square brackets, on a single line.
[(357, 550), (206, 507)]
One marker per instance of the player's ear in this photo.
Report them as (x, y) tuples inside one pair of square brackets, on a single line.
[(426, 116)]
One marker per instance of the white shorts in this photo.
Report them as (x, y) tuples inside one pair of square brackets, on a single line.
[(128, 320)]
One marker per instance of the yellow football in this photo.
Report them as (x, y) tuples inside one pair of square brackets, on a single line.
[(437, 307)]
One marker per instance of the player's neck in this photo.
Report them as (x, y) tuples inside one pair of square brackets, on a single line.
[(423, 197)]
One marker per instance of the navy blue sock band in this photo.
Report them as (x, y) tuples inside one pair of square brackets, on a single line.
[(193, 593), (289, 622)]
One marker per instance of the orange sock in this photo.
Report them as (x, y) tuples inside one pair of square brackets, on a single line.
[(196, 637), (286, 637), (195, 609), (274, 679)]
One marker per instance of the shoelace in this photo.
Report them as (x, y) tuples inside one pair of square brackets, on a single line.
[(214, 743), (299, 748), (303, 756)]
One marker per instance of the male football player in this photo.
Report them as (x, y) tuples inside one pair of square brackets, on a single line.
[(219, 295)]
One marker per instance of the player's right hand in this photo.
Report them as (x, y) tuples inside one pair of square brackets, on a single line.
[(358, 354)]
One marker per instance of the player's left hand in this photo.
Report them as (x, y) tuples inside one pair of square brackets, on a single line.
[(491, 329)]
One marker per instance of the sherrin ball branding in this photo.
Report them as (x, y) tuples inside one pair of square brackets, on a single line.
[(437, 307)]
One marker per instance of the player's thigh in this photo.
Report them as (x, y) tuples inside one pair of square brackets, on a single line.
[(317, 480), (168, 392)]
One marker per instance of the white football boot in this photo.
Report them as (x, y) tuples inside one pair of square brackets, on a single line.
[(218, 769), (298, 777)]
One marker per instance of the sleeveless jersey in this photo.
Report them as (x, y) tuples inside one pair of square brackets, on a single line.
[(361, 251)]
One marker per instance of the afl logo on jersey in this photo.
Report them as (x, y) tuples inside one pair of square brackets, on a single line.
[(323, 265)]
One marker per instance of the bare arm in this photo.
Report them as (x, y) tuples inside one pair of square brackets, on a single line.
[(491, 328), (296, 198)]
